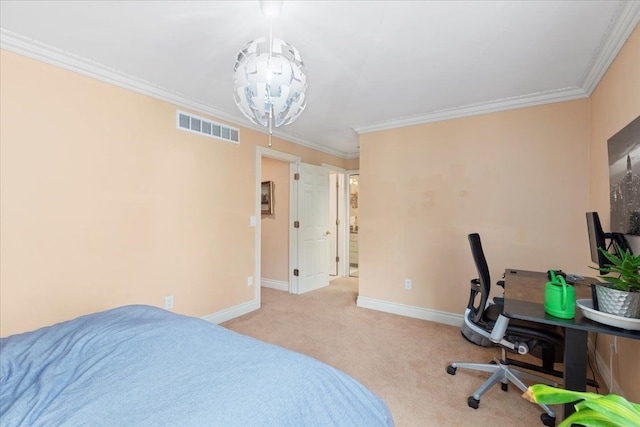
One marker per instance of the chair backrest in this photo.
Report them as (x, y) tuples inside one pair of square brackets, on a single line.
[(480, 287)]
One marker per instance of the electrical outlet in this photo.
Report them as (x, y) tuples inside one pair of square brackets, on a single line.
[(168, 302), (407, 284), (250, 281)]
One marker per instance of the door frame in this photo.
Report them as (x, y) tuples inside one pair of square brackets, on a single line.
[(347, 195), (293, 200), (344, 270), (343, 216)]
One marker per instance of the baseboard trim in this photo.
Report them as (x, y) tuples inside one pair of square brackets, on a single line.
[(232, 312), (604, 370), (275, 284), (411, 311)]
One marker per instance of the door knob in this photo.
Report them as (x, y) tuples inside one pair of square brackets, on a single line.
[(326, 233)]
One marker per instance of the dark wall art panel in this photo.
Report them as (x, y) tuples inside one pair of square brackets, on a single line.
[(624, 179)]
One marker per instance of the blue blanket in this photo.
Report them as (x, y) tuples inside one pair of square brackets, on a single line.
[(143, 366)]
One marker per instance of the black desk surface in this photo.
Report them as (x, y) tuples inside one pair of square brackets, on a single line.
[(524, 299)]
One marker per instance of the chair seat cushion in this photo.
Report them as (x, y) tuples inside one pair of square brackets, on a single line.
[(474, 337), (538, 336)]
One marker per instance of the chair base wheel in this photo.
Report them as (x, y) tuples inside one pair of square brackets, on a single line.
[(505, 387), (473, 403), (451, 370), (548, 420)]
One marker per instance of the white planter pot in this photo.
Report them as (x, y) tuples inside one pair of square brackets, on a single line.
[(619, 303)]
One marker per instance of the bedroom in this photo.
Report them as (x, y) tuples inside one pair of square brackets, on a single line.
[(91, 220)]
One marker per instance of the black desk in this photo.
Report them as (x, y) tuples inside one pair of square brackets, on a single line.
[(524, 299)]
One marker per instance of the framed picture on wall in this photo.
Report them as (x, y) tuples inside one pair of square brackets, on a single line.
[(266, 198), (624, 179)]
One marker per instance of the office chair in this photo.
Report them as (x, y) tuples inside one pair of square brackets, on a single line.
[(514, 336)]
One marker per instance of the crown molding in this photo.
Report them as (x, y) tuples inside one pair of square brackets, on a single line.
[(305, 143), (350, 156), (620, 28), (566, 94), (43, 52)]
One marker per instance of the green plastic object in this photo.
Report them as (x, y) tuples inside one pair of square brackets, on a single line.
[(559, 298)]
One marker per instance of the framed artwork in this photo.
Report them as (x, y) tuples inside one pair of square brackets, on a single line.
[(354, 200), (624, 179), (266, 198)]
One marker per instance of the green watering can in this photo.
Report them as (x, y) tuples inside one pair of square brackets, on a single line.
[(559, 298)]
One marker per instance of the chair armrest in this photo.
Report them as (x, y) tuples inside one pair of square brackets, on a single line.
[(499, 328)]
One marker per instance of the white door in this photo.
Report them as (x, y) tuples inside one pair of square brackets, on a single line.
[(313, 231)]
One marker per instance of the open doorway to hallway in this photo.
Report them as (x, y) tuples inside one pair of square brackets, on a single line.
[(344, 222), (354, 182), (296, 223), (285, 256), (274, 247)]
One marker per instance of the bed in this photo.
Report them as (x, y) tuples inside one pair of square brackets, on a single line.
[(143, 366)]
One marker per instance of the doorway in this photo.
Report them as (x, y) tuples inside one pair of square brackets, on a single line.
[(274, 221), (344, 190), (354, 191), (297, 272), (256, 220)]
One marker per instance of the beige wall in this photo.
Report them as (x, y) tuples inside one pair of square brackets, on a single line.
[(275, 228), (352, 164), (615, 103), (519, 178), (523, 179), (105, 203)]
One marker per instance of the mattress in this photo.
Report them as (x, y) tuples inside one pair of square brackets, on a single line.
[(143, 366)]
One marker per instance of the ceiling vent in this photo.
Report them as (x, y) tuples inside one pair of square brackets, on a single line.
[(191, 123)]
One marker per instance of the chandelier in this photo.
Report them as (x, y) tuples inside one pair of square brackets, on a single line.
[(269, 78)]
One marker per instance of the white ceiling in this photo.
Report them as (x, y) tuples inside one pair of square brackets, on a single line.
[(371, 64)]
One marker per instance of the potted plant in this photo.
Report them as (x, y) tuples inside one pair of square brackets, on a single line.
[(592, 410), (620, 295)]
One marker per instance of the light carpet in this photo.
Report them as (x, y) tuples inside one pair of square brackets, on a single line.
[(401, 359)]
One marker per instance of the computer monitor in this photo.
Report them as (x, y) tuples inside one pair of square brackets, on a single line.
[(596, 238)]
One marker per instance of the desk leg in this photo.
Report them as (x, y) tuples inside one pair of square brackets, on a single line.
[(575, 363)]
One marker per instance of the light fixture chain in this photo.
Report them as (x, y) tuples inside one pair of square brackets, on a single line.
[(269, 71)]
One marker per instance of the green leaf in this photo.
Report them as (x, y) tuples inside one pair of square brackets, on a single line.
[(592, 410), (625, 265), (590, 418), (554, 396), (616, 408)]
